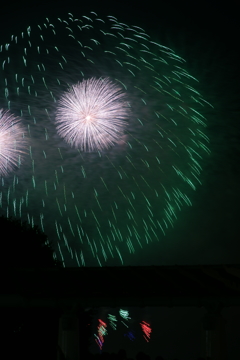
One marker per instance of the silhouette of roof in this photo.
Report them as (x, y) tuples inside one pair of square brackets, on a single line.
[(122, 286)]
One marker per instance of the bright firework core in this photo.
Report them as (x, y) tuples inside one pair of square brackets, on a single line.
[(92, 115), (12, 142)]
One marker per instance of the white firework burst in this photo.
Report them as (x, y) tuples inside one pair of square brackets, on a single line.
[(12, 142), (92, 115)]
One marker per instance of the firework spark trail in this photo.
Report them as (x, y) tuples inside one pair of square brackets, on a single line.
[(98, 205), (102, 331), (146, 328), (112, 321), (125, 315)]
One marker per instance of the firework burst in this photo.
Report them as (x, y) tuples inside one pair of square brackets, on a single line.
[(92, 114), (117, 136), (12, 142)]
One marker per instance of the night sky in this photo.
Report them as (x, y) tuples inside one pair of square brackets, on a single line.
[(206, 36)]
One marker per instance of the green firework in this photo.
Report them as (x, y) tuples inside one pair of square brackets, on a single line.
[(102, 204)]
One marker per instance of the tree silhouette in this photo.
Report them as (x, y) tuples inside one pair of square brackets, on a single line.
[(24, 246), (22, 328)]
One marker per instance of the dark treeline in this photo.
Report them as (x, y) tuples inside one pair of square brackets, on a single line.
[(24, 246)]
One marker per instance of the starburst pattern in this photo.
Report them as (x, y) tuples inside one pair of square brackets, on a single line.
[(12, 142), (111, 202), (92, 114)]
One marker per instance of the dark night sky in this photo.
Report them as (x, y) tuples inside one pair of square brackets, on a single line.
[(206, 34)]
